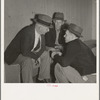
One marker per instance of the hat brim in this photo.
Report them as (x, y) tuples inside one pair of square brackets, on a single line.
[(58, 19), (34, 20), (74, 32)]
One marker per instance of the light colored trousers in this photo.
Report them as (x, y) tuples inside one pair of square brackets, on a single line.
[(29, 67), (69, 74)]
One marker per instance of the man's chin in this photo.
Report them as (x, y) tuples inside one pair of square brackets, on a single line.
[(57, 28), (66, 41)]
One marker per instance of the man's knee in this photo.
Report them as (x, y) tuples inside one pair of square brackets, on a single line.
[(69, 70), (73, 75), (27, 62), (45, 54)]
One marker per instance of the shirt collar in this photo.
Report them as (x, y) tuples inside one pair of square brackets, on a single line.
[(37, 34)]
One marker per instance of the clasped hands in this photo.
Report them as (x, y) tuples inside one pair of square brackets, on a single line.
[(55, 53), (56, 50)]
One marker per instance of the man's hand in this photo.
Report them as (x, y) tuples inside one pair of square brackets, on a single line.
[(50, 49), (38, 61), (56, 53), (60, 47)]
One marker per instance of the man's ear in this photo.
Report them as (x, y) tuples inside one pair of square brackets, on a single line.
[(39, 26), (54, 20), (63, 22)]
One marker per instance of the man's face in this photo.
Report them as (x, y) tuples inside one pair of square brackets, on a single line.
[(68, 36), (44, 29), (58, 24)]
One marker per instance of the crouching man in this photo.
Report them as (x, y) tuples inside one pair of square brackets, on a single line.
[(77, 63)]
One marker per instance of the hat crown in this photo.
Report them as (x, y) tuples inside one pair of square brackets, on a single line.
[(75, 29), (45, 18), (58, 16)]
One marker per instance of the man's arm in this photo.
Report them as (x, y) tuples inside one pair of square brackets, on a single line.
[(26, 44), (50, 38), (71, 51)]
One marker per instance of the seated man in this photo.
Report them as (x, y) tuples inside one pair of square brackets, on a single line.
[(77, 64), (28, 49), (54, 38)]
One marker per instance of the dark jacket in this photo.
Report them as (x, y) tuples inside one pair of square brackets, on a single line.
[(79, 56), (50, 37), (23, 44)]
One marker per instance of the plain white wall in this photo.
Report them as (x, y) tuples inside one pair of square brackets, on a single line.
[(19, 12), (93, 19)]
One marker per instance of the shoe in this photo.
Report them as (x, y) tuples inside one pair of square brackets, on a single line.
[(43, 81), (40, 81), (47, 80)]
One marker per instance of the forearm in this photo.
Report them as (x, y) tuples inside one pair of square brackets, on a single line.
[(31, 55)]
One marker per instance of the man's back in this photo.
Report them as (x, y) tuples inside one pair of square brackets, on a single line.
[(50, 36), (79, 56), (15, 47), (84, 59)]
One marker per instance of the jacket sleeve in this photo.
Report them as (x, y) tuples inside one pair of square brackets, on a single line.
[(61, 38), (26, 45), (50, 38), (69, 55)]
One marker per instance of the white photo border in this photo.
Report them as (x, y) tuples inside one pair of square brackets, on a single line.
[(20, 91)]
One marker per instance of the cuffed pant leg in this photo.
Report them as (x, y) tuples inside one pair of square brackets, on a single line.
[(72, 75), (59, 75), (45, 66)]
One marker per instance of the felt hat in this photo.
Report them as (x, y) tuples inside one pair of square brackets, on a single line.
[(43, 20), (58, 16), (75, 29)]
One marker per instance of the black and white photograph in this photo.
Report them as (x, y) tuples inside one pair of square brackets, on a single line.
[(50, 44)]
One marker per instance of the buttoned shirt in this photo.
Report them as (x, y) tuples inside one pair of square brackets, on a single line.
[(57, 36)]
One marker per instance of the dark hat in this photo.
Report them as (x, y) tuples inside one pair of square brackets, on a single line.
[(75, 30), (58, 16), (43, 19)]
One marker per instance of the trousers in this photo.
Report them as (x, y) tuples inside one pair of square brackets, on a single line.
[(70, 75), (29, 67)]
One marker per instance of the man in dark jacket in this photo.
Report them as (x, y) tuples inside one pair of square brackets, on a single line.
[(54, 38), (28, 48), (77, 63)]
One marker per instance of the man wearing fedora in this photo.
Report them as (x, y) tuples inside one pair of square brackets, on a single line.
[(28, 48), (54, 38), (77, 63)]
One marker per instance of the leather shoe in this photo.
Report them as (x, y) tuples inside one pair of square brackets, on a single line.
[(43, 81)]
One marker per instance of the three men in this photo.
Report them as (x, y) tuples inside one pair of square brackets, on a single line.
[(30, 48)]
